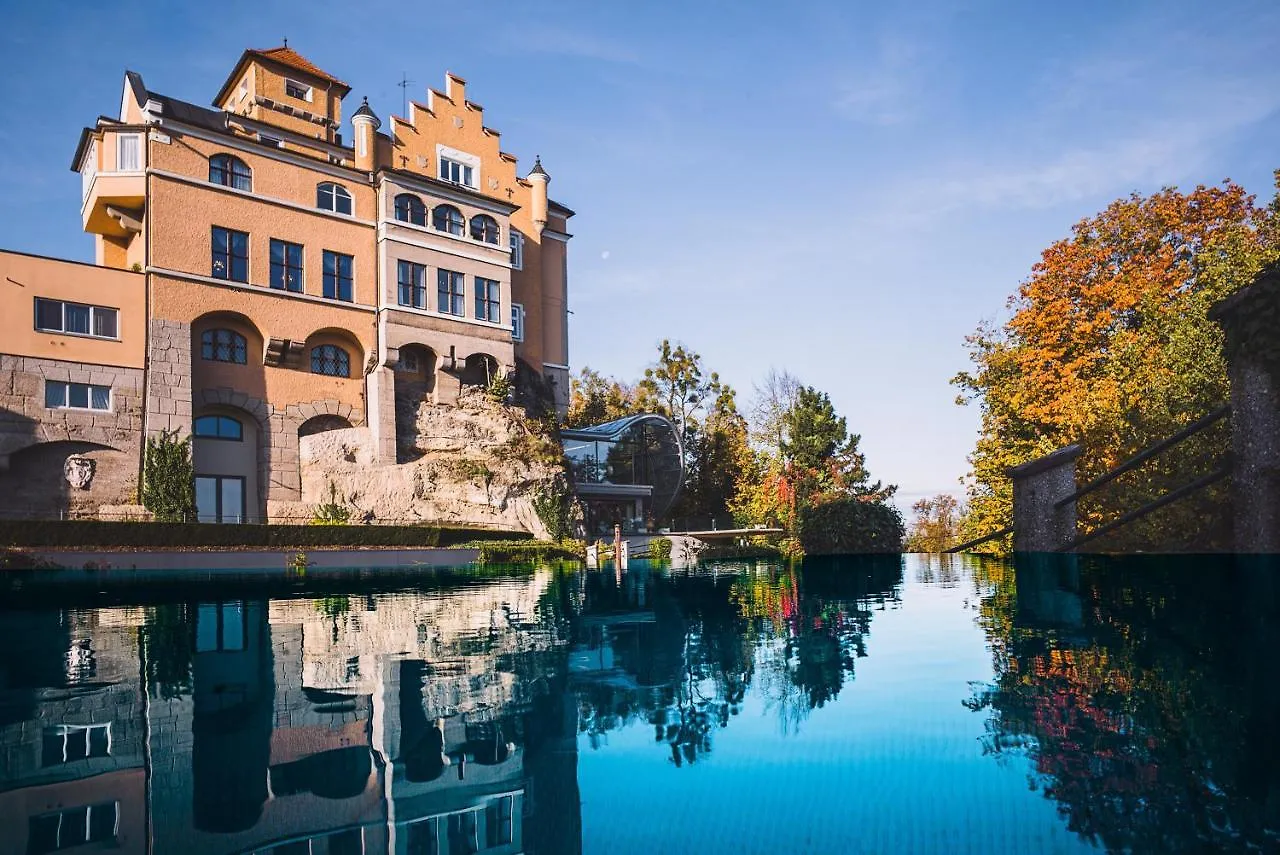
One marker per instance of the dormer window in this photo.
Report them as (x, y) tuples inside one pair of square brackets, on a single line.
[(456, 173), (294, 89)]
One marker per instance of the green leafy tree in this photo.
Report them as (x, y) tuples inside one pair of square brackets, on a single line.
[(595, 399), (821, 455), (717, 458), (168, 478)]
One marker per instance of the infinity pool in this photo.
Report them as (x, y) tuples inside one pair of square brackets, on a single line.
[(922, 704)]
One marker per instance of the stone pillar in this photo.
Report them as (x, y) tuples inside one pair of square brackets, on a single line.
[(1248, 318), (380, 406), (1039, 526), (169, 378)]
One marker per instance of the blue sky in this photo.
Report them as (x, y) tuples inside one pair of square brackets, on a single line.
[(843, 190)]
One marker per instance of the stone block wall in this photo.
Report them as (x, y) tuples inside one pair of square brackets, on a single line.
[(169, 378), (37, 443)]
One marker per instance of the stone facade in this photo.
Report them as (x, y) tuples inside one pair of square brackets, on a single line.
[(67, 461), (169, 378)]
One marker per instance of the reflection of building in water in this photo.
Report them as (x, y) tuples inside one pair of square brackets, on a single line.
[(71, 734), (401, 724)]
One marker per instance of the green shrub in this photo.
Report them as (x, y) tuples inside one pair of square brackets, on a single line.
[(168, 478), (761, 551), (151, 535), (555, 509), (499, 388), (850, 527), (331, 512), (528, 551), (660, 549)]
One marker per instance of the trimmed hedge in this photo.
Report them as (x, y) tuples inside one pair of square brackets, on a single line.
[(850, 527), (528, 551), (758, 551), (147, 535)]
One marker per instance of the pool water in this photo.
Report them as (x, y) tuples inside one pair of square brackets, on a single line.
[(916, 704)]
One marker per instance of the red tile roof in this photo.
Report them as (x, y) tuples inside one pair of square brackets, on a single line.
[(286, 55)]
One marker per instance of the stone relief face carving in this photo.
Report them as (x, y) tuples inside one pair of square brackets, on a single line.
[(79, 471)]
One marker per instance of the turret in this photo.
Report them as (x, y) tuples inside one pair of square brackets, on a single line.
[(539, 178), (366, 125)]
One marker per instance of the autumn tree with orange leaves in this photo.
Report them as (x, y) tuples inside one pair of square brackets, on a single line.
[(1110, 345)]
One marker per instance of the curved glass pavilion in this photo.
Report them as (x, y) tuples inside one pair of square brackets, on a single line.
[(627, 472)]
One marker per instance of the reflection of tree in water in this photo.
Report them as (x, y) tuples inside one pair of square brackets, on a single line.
[(1146, 696), (684, 663)]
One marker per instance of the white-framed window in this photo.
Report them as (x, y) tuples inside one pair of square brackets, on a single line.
[(266, 139), (294, 89), (457, 173), (77, 319), (61, 395), (517, 250), (67, 743), (244, 87), (88, 169), (333, 197), (517, 322), (51, 832), (128, 152)]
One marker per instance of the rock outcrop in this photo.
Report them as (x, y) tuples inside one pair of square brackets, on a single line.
[(477, 462)]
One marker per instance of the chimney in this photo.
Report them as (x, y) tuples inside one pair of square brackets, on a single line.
[(539, 178), (366, 125)]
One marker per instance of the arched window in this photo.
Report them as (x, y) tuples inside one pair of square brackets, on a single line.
[(485, 228), (333, 197), (217, 427), (446, 218), (330, 360), (409, 209), (221, 345), (230, 172)]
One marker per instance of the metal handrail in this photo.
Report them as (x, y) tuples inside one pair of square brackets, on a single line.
[(1200, 483), (969, 544), (1146, 454)]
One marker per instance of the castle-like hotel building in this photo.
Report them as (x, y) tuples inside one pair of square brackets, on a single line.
[(259, 278)]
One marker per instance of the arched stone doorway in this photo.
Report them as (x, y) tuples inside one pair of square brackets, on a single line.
[(480, 369), (415, 383), (322, 423), (224, 452)]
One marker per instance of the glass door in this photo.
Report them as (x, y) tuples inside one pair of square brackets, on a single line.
[(219, 499)]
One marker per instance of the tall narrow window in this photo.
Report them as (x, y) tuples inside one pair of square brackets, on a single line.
[(286, 266), (488, 300), (409, 209), (450, 296), (338, 282), (413, 286), (219, 345), (230, 172), (517, 322), (446, 218), (128, 152), (230, 255), (330, 360), (517, 250), (485, 228), (88, 170), (333, 197)]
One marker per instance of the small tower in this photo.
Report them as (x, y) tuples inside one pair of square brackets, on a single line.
[(366, 125), (540, 179)]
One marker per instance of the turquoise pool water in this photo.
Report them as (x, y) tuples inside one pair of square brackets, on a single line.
[(921, 704)]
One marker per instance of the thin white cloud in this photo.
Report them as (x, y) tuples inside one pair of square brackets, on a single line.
[(888, 91), (566, 42)]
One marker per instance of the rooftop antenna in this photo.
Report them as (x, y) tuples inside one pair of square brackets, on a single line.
[(404, 92), (286, 41)]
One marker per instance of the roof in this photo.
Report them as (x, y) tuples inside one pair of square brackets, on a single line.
[(283, 55), (365, 110), (614, 429)]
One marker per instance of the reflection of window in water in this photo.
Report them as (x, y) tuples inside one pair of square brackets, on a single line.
[(67, 743), (499, 820), (220, 626), (464, 833), (353, 669), (82, 666), (63, 829)]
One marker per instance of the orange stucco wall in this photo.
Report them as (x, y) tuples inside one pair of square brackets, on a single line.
[(265, 315), (25, 277)]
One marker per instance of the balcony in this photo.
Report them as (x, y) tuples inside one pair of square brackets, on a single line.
[(114, 202)]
